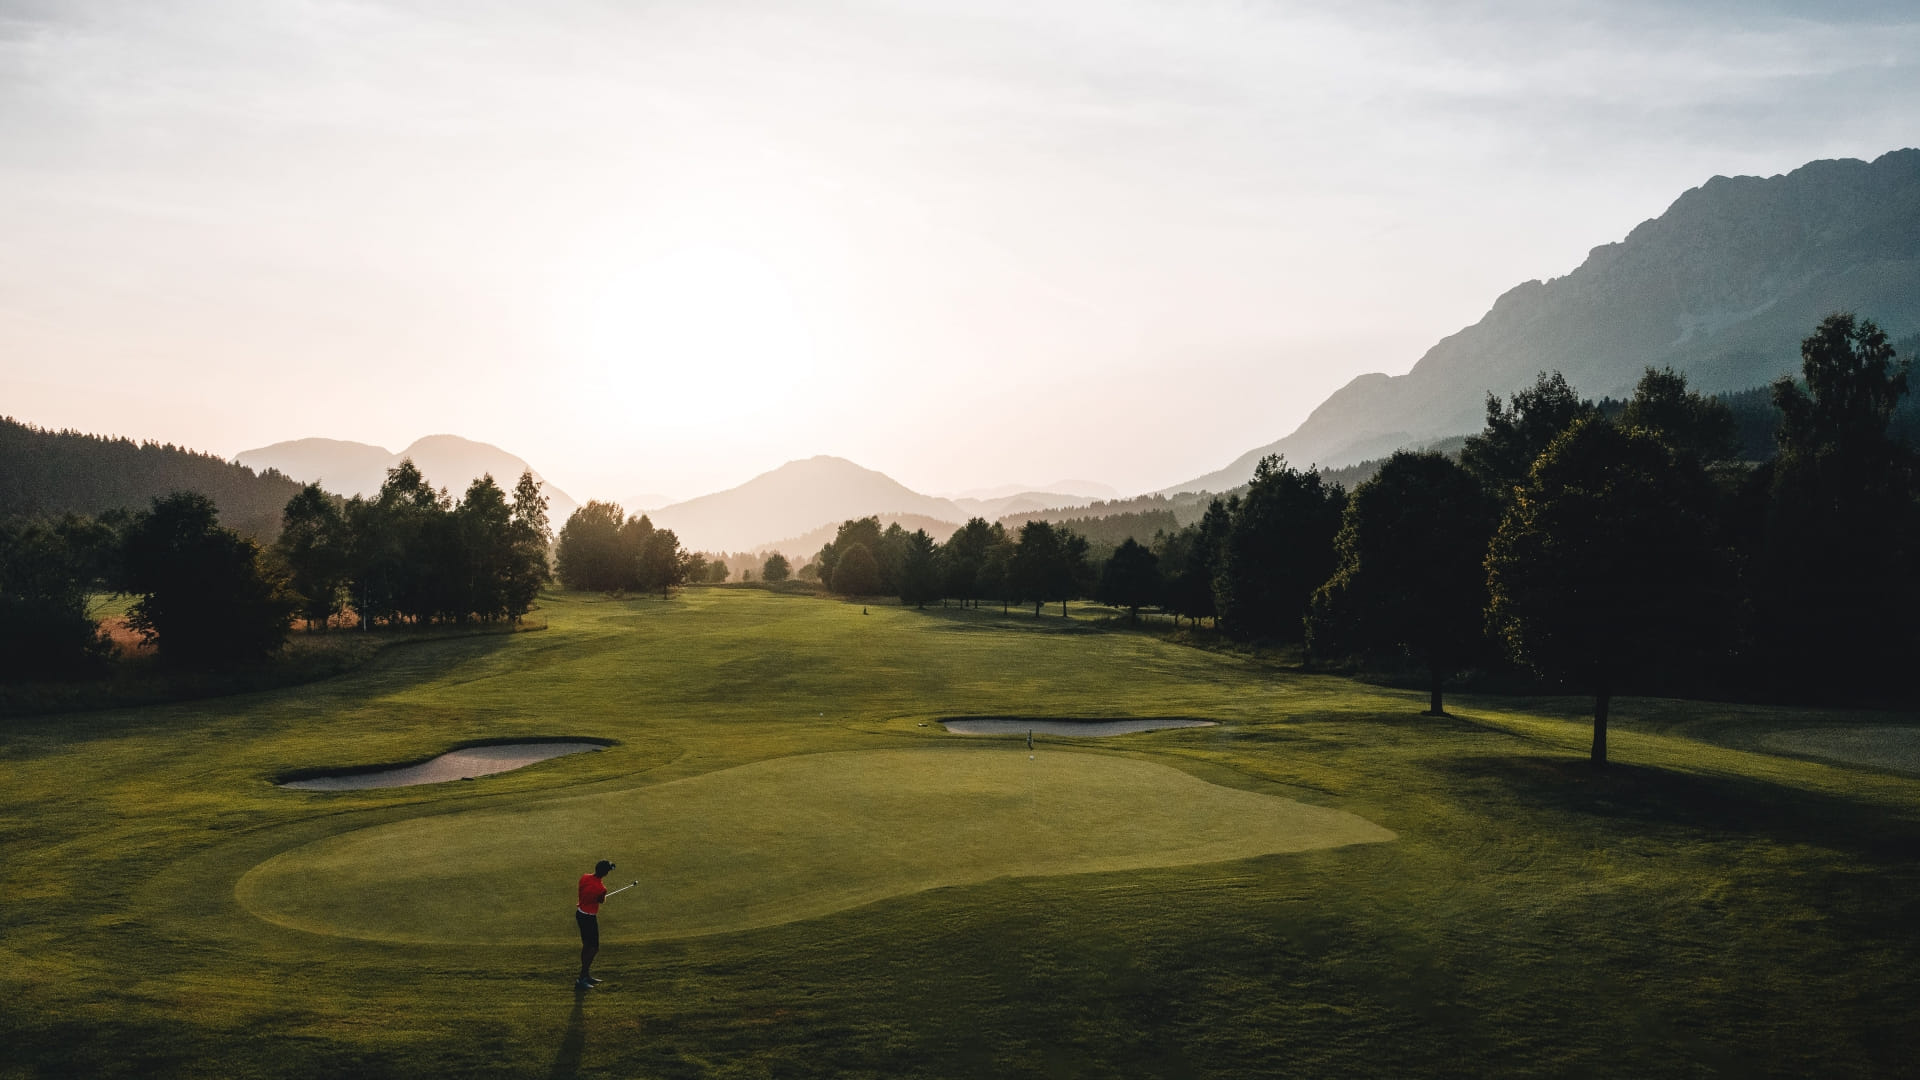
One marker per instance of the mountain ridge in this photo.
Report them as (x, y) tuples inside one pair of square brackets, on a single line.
[(356, 468), (1721, 287)]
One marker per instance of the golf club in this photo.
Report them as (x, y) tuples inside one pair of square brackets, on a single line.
[(625, 887)]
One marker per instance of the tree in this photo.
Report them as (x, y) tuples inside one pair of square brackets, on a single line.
[(1411, 577), (919, 569), (717, 571), (1130, 579), (590, 554), (776, 568), (854, 572), (965, 553), (390, 568), (890, 555), (863, 531), (527, 567), (635, 571), (1515, 436), (1048, 563), (1602, 568), (995, 578), (483, 523), (419, 530), (1696, 427), (1854, 380), (662, 564), (46, 574), (1191, 559), (314, 545), (206, 596), (1278, 550), (1838, 576)]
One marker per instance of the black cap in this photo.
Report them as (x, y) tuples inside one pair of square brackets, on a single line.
[(602, 866)]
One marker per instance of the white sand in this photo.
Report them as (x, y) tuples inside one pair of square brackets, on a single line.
[(994, 726), (1880, 746), (453, 765)]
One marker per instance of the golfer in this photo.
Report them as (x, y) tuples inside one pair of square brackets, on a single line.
[(593, 889)]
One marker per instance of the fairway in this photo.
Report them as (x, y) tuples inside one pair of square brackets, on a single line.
[(777, 841), (1323, 882)]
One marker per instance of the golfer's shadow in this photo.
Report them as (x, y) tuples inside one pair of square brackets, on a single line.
[(567, 1062)]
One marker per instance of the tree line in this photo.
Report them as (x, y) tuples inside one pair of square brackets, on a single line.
[(50, 474), (1606, 547), (208, 596), (1638, 553)]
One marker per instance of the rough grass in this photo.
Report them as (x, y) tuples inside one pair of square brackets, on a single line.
[(138, 675), (1701, 908)]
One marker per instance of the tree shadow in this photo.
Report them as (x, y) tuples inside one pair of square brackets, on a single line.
[(101, 708), (573, 1046), (1650, 799)]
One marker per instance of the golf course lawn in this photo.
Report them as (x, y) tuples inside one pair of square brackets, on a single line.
[(778, 841), (1324, 883)]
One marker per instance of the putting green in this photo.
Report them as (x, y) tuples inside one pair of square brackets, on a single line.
[(775, 841)]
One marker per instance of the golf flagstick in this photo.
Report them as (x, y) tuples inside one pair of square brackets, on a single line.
[(624, 888)]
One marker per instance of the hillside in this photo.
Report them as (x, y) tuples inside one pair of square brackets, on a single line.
[(355, 468), (795, 499), (1722, 287), (49, 473)]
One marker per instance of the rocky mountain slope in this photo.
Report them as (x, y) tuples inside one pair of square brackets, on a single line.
[(1722, 287)]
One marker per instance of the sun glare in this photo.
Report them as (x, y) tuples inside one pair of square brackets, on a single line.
[(696, 318)]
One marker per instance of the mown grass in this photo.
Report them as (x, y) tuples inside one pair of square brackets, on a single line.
[(1699, 909)]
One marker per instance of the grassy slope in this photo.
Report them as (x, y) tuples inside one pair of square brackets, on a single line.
[(1699, 908)]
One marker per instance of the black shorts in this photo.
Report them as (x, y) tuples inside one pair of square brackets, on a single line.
[(589, 929)]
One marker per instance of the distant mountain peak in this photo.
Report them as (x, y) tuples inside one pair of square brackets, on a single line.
[(449, 461), (793, 500), (1721, 287)]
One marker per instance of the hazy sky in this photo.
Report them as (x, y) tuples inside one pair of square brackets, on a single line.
[(667, 246)]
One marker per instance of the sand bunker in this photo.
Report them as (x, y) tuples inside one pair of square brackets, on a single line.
[(997, 725), (459, 764), (1880, 746)]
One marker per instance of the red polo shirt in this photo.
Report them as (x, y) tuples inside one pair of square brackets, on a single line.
[(592, 891)]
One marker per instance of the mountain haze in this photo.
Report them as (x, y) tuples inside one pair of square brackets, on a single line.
[(355, 468), (793, 500), (1079, 489), (1722, 287)]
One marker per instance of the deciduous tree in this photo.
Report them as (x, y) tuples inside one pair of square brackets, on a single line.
[(1411, 579), (1603, 566), (315, 547), (1839, 583), (590, 554), (527, 566), (854, 571), (207, 598), (1518, 433), (46, 574), (1278, 550)]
